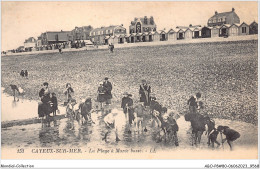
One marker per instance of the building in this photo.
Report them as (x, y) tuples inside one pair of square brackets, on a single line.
[(206, 32), (215, 31), (30, 43), (224, 30), (101, 35), (196, 32), (163, 35), (141, 25), (188, 34), (81, 33), (233, 30), (243, 29), (50, 37), (253, 28), (171, 35), (224, 18)]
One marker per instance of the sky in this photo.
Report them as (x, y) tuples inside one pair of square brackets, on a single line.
[(21, 20)]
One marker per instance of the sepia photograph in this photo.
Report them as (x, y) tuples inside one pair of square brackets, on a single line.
[(147, 80)]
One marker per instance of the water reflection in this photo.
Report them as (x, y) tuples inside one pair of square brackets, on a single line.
[(49, 135)]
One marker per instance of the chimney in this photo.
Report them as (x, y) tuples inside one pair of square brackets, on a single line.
[(233, 9), (216, 12)]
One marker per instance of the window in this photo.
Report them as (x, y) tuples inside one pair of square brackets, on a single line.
[(243, 29), (214, 21)]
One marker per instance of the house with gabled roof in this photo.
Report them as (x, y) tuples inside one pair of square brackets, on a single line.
[(224, 30), (163, 35), (206, 32), (98, 35), (171, 35), (224, 18), (253, 28), (30, 42), (143, 24), (243, 29), (81, 33), (233, 30)]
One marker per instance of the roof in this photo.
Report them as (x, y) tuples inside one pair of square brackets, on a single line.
[(161, 31), (171, 30), (226, 14), (62, 36), (254, 23), (142, 20), (243, 24), (235, 24), (107, 28), (29, 40), (195, 28), (226, 25)]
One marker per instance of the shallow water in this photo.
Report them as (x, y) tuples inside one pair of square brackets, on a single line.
[(59, 133), (19, 110)]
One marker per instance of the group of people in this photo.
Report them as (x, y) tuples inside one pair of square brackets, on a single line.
[(148, 101), (24, 73), (104, 92), (48, 104)]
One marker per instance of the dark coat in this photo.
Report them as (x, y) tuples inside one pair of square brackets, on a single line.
[(156, 106), (145, 91), (86, 108), (101, 94), (124, 102), (54, 103), (197, 121), (108, 88), (192, 102), (231, 135)]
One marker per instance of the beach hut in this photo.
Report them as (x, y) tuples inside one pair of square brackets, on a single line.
[(253, 28), (162, 35), (188, 34), (127, 38), (145, 37), (224, 30), (243, 29), (180, 34), (215, 31), (196, 32), (132, 38), (121, 39), (171, 35), (156, 36), (206, 32), (233, 30)]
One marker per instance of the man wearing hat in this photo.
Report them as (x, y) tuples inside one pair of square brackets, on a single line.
[(144, 93), (108, 88)]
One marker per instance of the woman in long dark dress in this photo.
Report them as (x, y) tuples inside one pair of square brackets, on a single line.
[(44, 108), (144, 93), (101, 95)]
